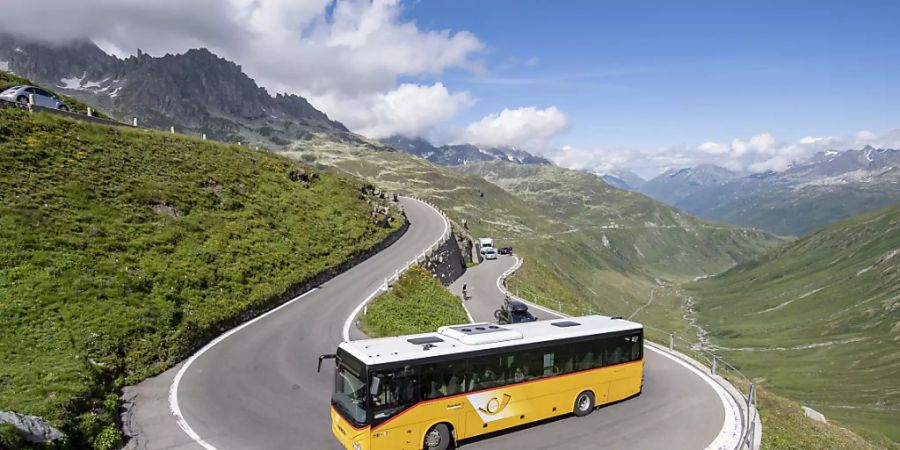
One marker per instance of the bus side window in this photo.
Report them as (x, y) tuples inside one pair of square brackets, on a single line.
[(525, 365), (439, 380), (486, 372), (618, 350), (562, 360), (589, 354), (430, 382), (584, 357), (455, 377)]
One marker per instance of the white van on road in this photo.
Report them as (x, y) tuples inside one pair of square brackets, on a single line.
[(484, 244)]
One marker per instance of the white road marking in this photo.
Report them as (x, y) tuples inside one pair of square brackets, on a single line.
[(173, 390)]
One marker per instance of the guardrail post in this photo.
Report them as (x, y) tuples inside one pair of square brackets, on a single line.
[(31, 99), (204, 136), (671, 342), (365, 309), (559, 306), (715, 360), (750, 394), (535, 298), (750, 435), (517, 291), (134, 122), (90, 112), (172, 129)]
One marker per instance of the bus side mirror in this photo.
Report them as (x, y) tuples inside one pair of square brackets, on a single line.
[(373, 388), (327, 356)]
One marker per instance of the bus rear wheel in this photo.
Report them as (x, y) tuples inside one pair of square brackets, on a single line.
[(584, 404), (438, 437)]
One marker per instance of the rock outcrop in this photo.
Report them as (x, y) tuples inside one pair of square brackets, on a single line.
[(34, 429)]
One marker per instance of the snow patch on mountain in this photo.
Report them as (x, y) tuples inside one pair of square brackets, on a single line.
[(71, 83)]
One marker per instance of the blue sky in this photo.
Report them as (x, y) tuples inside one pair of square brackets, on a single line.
[(645, 75)]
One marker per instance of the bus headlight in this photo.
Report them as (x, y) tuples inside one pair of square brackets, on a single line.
[(356, 446)]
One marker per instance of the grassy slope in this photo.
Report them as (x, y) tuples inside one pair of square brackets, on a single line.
[(837, 290), (497, 212), (7, 79), (643, 235), (786, 427), (566, 256), (417, 303), (121, 249)]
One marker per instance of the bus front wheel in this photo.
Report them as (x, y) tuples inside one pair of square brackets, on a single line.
[(584, 404), (438, 437)]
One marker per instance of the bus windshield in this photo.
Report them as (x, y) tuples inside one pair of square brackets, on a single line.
[(349, 396)]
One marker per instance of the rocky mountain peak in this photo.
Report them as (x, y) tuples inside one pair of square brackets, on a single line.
[(460, 154), (195, 91)]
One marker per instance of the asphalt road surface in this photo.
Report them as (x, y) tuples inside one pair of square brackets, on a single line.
[(258, 387), (677, 409)]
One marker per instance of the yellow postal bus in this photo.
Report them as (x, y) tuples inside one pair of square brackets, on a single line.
[(428, 390)]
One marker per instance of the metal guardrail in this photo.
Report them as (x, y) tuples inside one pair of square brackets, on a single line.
[(31, 107), (89, 117), (421, 258), (719, 369)]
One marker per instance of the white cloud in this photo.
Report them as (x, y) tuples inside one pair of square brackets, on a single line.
[(759, 144), (343, 55), (528, 128), (713, 148), (759, 153), (809, 140), (866, 135), (409, 110), (587, 159)]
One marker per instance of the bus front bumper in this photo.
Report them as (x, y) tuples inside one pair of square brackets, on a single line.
[(350, 438)]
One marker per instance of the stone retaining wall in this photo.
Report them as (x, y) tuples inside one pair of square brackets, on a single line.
[(447, 263)]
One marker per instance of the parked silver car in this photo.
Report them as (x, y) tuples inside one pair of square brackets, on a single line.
[(41, 97)]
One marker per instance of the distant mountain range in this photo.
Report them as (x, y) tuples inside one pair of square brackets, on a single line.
[(460, 154), (196, 92), (830, 186), (675, 185), (622, 179)]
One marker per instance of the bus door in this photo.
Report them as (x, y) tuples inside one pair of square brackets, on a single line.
[(394, 391)]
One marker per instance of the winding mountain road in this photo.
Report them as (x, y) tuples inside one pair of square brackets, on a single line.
[(256, 387)]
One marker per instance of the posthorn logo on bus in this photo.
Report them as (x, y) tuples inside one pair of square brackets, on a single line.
[(495, 406)]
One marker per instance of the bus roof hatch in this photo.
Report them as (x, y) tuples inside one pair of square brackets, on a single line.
[(480, 333)]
